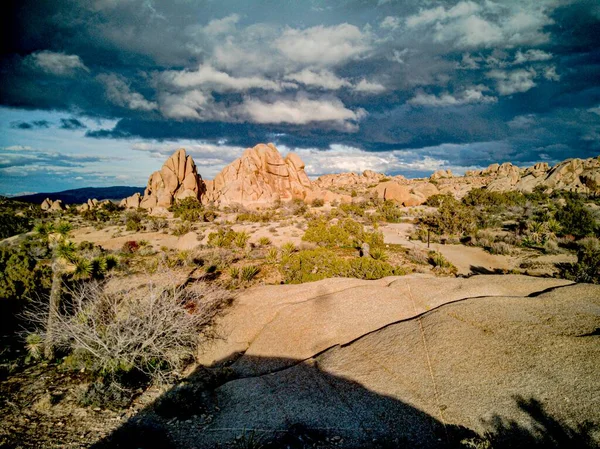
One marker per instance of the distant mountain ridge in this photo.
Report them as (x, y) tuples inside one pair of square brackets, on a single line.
[(78, 196)]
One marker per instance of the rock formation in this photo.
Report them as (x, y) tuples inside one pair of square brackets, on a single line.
[(52, 206), (407, 195), (176, 180)]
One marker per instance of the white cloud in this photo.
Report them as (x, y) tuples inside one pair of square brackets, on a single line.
[(531, 55), (322, 45), (322, 79), (470, 95), (508, 83), (220, 81), (595, 110), (59, 64), (550, 74), (193, 104), (301, 111), (470, 25), (222, 26), (118, 92), (390, 23), (369, 87), (429, 16)]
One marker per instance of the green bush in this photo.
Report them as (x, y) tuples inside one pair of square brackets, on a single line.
[(483, 197), (438, 260), (346, 233), (133, 221), (249, 272), (182, 228), (313, 265), (188, 209), (11, 224), (255, 217), (390, 211), (318, 202), (451, 218), (357, 209), (225, 238), (575, 219), (438, 199), (587, 268)]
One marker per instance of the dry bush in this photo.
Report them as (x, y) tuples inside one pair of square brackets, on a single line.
[(155, 330)]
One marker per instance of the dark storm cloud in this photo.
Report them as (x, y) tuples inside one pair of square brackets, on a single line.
[(71, 123), (36, 124), (511, 79)]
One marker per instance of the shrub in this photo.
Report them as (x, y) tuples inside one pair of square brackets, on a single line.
[(587, 268), (438, 260), (224, 238), (379, 254), (255, 217), (483, 197), (154, 331), (313, 265), (288, 248), (241, 239), (249, 272), (451, 218), (575, 219), (357, 209), (188, 209), (133, 222), (391, 212), (318, 202), (499, 248), (234, 272), (417, 256), (156, 224), (438, 199), (264, 241), (11, 224), (346, 233), (272, 255), (130, 247), (182, 228)]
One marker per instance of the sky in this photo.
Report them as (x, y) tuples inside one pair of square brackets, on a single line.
[(100, 92)]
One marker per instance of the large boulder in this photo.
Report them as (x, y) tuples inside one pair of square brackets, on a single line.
[(405, 194), (177, 179), (260, 177), (131, 202)]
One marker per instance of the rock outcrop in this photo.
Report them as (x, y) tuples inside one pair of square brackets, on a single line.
[(52, 206), (439, 174), (176, 180), (260, 177), (406, 195)]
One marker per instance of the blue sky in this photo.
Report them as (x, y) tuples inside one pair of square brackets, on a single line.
[(99, 92)]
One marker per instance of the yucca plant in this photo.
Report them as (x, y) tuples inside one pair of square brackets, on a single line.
[(35, 346), (288, 248), (249, 272), (66, 250), (379, 254), (234, 272), (240, 240), (264, 241), (83, 269), (272, 255), (63, 228), (43, 230)]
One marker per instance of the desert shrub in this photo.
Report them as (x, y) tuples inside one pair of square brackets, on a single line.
[(501, 248), (438, 260), (63, 228), (390, 211), (483, 197), (551, 247), (224, 238), (156, 224), (133, 221), (288, 248), (188, 209), (255, 217), (417, 256), (234, 272), (451, 218), (575, 219), (587, 268), (182, 228), (346, 233), (438, 199), (130, 247), (318, 202), (249, 272), (379, 254), (241, 239), (102, 213), (357, 209), (11, 224), (272, 255), (313, 265), (264, 241), (21, 276), (154, 330)]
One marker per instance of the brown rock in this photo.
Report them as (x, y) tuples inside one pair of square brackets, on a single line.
[(177, 179)]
